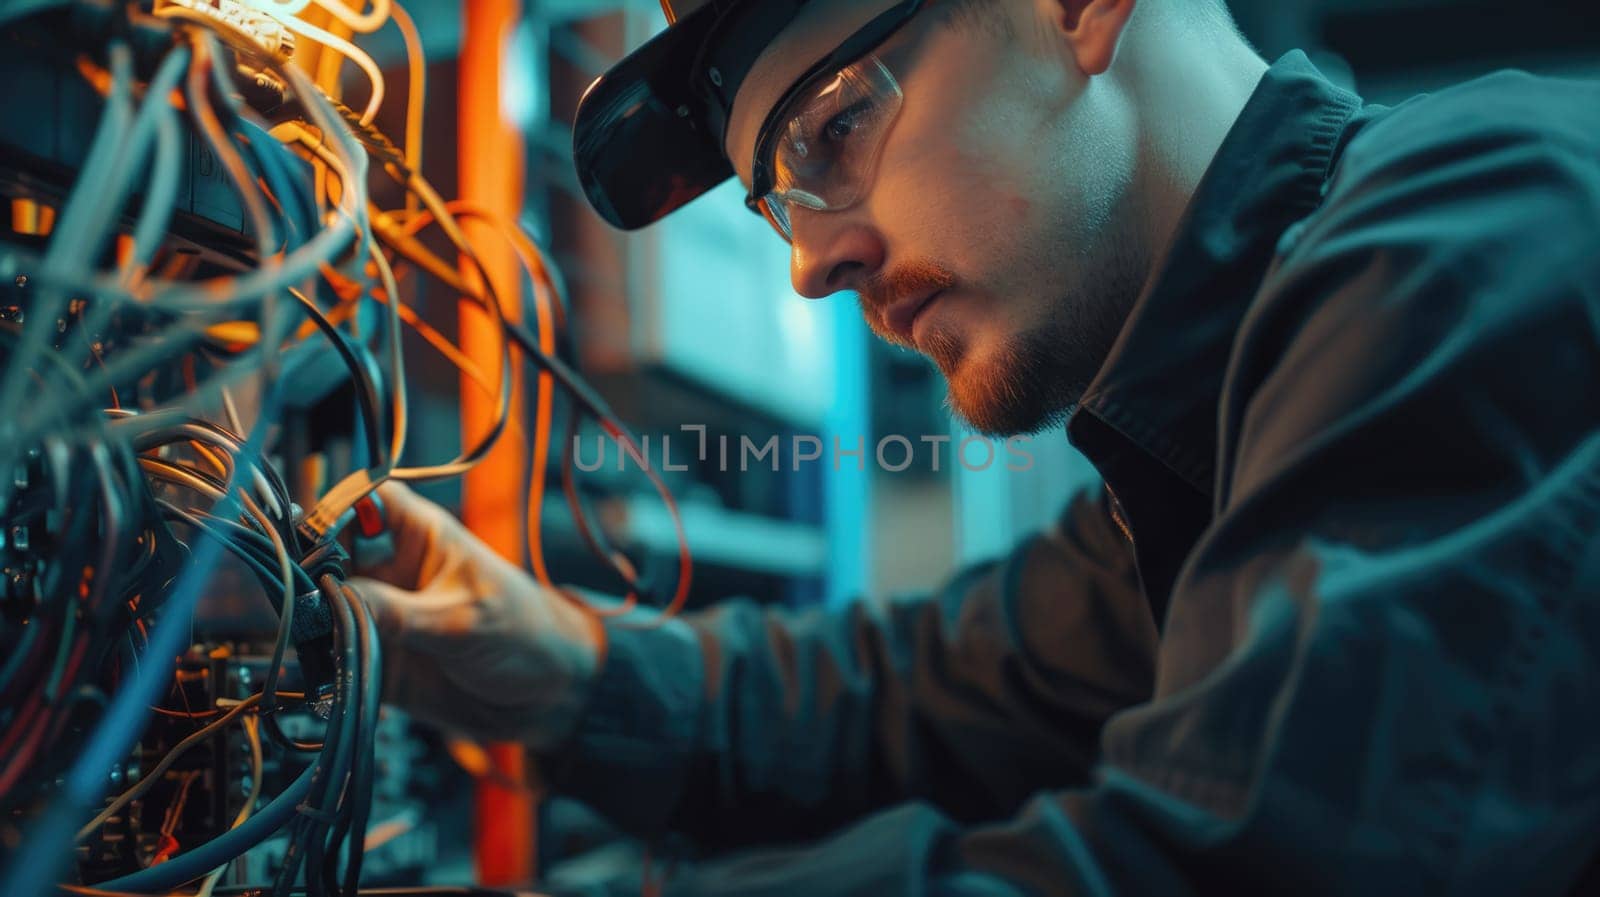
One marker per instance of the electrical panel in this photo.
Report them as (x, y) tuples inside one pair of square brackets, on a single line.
[(203, 304)]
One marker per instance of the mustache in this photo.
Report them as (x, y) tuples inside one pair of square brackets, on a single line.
[(880, 291)]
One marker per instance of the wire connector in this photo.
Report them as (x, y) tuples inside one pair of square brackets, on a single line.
[(265, 31)]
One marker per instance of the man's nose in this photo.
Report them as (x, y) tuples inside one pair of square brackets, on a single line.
[(832, 252)]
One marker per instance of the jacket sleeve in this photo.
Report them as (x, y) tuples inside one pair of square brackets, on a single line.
[(743, 724), (1381, 671)]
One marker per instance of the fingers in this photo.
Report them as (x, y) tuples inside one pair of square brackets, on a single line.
[(424, 537), (422, 621)]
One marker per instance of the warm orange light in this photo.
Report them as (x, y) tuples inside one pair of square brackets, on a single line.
[(490, 171), (35, 219)]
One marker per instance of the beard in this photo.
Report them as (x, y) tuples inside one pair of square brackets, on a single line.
[(1030, 381)]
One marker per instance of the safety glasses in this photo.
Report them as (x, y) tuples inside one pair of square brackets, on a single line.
[(819, 147)]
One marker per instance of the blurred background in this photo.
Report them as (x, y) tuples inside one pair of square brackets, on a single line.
[(693, 322)]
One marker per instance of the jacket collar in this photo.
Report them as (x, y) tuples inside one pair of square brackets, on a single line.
[(1161, 385)]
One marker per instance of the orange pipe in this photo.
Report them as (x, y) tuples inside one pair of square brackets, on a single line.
[(491, 176)]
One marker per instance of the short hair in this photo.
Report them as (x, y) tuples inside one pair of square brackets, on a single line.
[(1203, 12), (987, 14), (983, 14)]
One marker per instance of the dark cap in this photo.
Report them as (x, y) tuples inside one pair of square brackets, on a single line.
[(649, 133)]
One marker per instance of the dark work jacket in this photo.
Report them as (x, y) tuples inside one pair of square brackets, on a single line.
[(1333, 627)]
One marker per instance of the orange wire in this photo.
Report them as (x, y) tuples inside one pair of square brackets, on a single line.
[(441, 343), (213, 458), (185, 714), (347, 290), (548, 309), (531, 259), (685, 560)]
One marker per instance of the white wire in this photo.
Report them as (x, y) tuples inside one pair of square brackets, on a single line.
[(364, 23), (351, 52), (231, 411)]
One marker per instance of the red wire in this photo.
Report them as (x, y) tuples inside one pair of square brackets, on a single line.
[(20, 759), (36, 729)]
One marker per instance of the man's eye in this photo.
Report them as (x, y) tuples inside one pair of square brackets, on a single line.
[(841, 126)]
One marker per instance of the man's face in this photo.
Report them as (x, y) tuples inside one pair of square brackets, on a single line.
[(1003, 190)]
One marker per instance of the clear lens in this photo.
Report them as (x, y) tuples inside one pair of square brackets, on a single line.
[(826, 155), (777, 215)]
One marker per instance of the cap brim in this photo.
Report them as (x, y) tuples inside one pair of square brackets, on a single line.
[(641, 148)]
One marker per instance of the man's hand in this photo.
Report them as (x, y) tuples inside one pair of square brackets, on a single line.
[(471, 642)]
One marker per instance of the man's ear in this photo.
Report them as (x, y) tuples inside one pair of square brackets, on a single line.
[(1091, 28)]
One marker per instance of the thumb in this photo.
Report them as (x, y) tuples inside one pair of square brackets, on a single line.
[(389, 608), (425, 537)]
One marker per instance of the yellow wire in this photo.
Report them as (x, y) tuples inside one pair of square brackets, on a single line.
[(533, 263), (327, 66), (219, 461), (294, 132), (416, 93), (490, 302), (252, 733)]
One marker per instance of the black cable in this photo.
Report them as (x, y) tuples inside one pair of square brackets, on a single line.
[(322, 877), (565, 375), (244, 453), (332, 766), (363, 779), (340, 791), (350, 830), (114, 519), (367, 389), (20, 652), (242, 541), (260, 560), (160, 429), (587, 400), (255, 549)]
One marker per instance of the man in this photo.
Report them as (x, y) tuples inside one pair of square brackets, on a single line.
[(1333, 626)]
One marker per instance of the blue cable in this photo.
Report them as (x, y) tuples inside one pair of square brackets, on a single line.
[(208, 856), (47, 846), (274, 162), (49, 843)]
